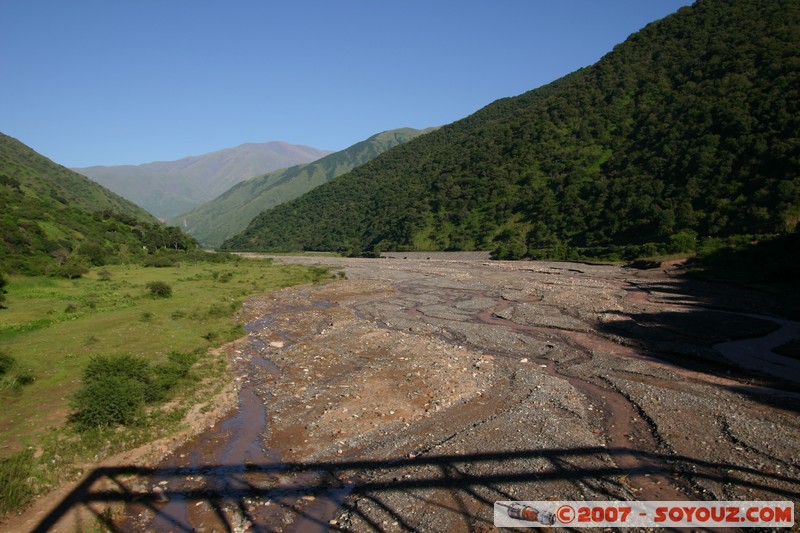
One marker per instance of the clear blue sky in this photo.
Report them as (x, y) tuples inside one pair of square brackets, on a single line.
[(90, 82)]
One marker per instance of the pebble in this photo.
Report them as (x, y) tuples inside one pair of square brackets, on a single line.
[(158, 494)]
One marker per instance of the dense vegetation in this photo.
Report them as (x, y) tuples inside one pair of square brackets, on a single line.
[(685, 132), (54, 221), (230, 213)]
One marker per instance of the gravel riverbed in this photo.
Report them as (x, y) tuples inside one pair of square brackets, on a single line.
[(415, 393)]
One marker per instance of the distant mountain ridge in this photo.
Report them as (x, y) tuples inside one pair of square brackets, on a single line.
[(229, 213), (167, 188), (684, 133)]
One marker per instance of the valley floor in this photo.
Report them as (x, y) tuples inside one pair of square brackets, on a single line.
[(414, 394)]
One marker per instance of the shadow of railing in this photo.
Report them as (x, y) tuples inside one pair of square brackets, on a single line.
[(342, 483)]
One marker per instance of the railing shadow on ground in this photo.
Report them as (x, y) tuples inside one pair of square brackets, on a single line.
[(232, 488)]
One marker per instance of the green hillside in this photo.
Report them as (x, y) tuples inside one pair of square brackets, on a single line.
[(687, 130), (230, 213), (53, 220)]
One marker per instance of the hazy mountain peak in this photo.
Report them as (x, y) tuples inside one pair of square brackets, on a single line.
[(166, 188), (229, 213)]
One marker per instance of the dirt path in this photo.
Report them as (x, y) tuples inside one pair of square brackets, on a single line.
[(414, 394)]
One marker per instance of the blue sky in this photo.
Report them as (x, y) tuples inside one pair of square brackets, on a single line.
[(109, 82)]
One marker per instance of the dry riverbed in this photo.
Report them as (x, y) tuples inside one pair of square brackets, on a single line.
[(414, 394)]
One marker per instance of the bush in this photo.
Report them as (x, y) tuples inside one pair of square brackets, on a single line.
[(16, 379), (182, 362), (129, 366), (167, 375), (110, 401), (114, 391), (159, 289), (6, 363), (25, 377), (74, 267), (116, 388)]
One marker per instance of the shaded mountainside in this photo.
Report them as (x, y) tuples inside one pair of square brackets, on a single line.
[(167, 188), (53, 220), (230, 213), (688, 129)]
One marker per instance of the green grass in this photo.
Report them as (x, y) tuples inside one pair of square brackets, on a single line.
[(15, 471), (54, 327)]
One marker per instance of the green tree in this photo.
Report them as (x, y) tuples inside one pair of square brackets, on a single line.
[(74, 267)]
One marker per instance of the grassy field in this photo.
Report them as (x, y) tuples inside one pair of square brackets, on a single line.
[(53, 327)]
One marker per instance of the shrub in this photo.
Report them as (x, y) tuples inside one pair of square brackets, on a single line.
[(116, 388), (6, 363), (25, 377), (218, 311), (159, 289), (110, 401), (16, 379), (74, 267), (130, 366), (114, 391), (167, 375), (182, 361)]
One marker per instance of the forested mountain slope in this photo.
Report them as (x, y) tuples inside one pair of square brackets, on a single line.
[(688, 128), (167, 188), (53, 220), (231, 212)]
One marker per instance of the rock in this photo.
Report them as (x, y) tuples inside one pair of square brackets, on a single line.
[(276, 344), (159, 496)]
